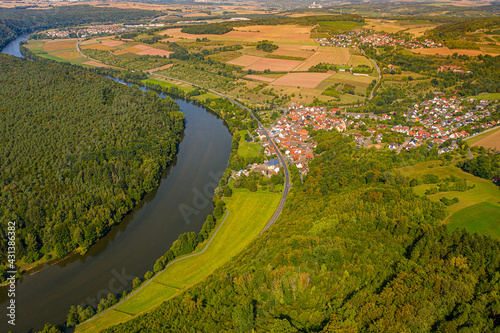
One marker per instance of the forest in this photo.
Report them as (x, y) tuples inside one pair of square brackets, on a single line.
[(15, 21), (78, 151), (354, 250)]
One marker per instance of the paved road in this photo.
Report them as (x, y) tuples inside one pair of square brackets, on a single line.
[(470, 154), (287, 184)]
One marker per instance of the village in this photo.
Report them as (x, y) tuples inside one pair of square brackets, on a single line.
[(356, 38), (88, 31), (439, 121)]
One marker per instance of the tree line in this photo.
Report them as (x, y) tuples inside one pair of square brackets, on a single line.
[(78, 151), (366, 254)]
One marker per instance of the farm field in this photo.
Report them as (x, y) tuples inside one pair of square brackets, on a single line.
[(327, 55), (275, 65), (260, 78), (58, 50), (444, 51), (304, 80), (483, 218), (490, 139), (292, 41), (248, 213), (484, 191)]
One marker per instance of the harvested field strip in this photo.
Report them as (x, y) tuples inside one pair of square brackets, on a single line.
[(154, 52), (446, 51), (259, 78), (336, 56), (160, 68), (304, 80), (244, 60), (95, 64), (49, 47), (113, 43), (96, 47), (490, 141), (275, 65), (67, 54)]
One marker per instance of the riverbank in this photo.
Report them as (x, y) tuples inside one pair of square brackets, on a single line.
[(248, 212), (133, 246)]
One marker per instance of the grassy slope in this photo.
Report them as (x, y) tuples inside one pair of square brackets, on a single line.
[(248, 213), (490, 97), (248, 149), (483, 218), (485, 190)]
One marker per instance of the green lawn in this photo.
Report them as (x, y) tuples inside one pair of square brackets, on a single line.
[(483, 218), (485, 190), (204, 97), (248, 213), (248, 149)]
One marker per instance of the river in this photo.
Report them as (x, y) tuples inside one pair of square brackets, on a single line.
[(131, 248)]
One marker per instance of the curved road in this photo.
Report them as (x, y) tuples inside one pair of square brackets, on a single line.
[(287, 184)]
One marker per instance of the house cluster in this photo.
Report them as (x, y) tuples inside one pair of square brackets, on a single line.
[(88, 31), (268, 168), (350, 39), (443, 119), (386, 40), (290, 134), (454, 69)]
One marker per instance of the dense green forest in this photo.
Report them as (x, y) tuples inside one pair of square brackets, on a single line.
[(354, 250), (77, 151), (15, 21)]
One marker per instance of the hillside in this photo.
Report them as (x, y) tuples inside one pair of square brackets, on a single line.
[(354, 250), (77, 151)]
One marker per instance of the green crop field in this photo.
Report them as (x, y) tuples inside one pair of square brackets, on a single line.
[(483, 218), (484, 191), (248, 213), (248, 149)]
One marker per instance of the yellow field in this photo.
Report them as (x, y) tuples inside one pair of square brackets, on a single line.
[(446, 51), (304, 80), (59, 45), (388, 26), (275, 65), (244, 60), (327, 55), (67, 54), (291, 34), (357, 60), (295, 51)]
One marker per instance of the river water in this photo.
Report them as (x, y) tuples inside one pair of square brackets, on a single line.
[(131, 248)]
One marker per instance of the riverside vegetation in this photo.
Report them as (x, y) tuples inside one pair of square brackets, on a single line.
[(78, 151)]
